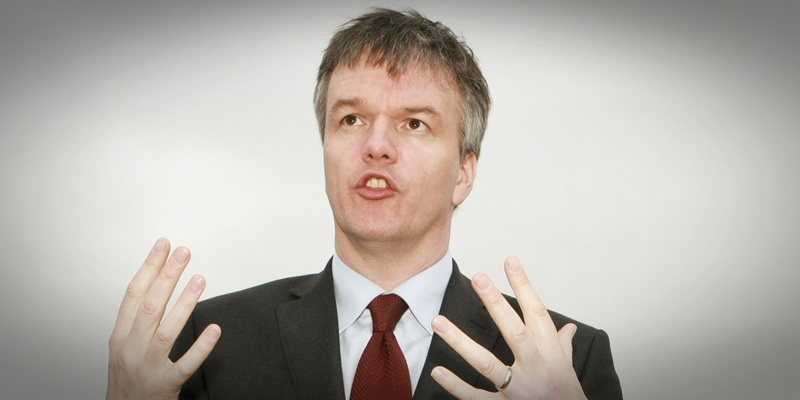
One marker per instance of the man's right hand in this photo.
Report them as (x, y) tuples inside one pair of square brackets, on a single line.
[(138, 362)]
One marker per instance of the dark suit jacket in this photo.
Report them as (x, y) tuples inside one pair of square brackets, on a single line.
[(280, 341)]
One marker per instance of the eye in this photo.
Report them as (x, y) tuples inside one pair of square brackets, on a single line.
[(351, 120), (416, 124)]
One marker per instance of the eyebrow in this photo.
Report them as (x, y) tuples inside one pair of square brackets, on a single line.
[(423, 110), (343, 103), (357, 102)]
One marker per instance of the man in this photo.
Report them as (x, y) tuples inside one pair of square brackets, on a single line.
[(402, 107)]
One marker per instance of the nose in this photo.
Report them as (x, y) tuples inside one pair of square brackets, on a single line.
[(379, 145)]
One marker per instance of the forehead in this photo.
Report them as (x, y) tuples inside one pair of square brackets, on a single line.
[(374, 84)]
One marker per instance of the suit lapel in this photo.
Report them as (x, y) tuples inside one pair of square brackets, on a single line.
[(310, 336), (464, 308)]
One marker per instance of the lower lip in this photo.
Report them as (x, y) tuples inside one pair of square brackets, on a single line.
[(375, 194)]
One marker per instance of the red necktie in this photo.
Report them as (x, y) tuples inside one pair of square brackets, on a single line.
[(382, 372)]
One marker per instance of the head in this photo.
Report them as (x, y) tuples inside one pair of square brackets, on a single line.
[(400, 41)]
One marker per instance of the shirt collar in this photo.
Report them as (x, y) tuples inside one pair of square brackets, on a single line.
[(422, 292)]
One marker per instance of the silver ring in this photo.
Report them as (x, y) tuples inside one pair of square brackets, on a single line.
[(506, 381)]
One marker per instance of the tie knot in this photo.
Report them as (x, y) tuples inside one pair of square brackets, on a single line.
[(386, 310)]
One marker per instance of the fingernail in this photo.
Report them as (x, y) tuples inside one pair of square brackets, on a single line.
[(181, 255), (482, 281), (513, 265), (160, 244), (438, 374), (440, 325), (214, 332), (196, 284)]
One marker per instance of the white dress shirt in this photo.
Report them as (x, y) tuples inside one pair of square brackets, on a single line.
[(423, 293)]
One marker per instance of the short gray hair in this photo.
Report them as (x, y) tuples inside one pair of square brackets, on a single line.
[(403, 40)]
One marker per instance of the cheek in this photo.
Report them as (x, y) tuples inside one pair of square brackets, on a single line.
[(442, 179), (331, 166), (338, 168)]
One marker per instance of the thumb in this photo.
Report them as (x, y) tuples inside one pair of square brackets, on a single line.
[(565, 336)]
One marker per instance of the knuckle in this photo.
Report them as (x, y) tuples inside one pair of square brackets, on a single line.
[(523, 282), (114, 342), (187, 301), (162, 338), (519, 334), (151, 264), (487, 366), (202, 349), (182, 371), (148, 308), (538, 310), (456, 341), (453, 383), (171, 273), (124, 362), (453, 335), (496, 299), (133, 290)]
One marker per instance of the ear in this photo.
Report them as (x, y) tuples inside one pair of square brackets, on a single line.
[(466, 178)]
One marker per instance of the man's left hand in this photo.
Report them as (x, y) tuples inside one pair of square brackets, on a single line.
[(543, 355)]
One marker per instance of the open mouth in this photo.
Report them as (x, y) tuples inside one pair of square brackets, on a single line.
[(377, 183)]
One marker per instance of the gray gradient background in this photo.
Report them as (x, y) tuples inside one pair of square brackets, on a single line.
[(641, 160)]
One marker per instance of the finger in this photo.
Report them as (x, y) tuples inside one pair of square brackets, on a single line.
[(155, 301), (476, 355), (537, 318), (458, 388), (515, 332), (565, 336), (173, 323), (138, 287), (182, 369)]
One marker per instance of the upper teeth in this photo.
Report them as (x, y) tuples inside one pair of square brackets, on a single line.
[(377, 183)]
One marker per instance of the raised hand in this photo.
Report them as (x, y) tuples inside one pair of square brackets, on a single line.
[(138, 363), (543, 356)]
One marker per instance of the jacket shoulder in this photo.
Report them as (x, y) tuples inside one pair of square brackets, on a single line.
[(268, 294)]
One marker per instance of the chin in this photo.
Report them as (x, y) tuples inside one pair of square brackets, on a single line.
[(372, 231), (375, 234)]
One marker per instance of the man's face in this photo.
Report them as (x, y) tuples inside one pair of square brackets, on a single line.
[(393, 169)]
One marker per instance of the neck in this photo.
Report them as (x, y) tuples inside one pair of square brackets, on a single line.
[(390, 263)]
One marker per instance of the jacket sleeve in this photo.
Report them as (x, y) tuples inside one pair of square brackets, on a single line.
[(599, 378)]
